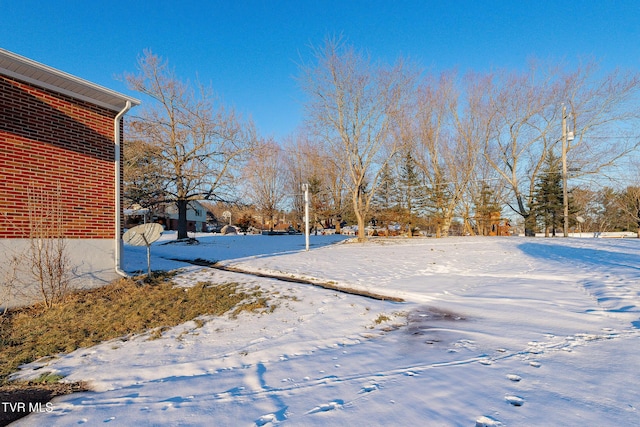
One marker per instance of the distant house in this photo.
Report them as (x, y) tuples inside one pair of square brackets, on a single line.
[(60, 139), (196, 216), (136, 215)]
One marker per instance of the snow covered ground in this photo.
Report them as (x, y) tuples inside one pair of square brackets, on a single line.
[(493, 331)]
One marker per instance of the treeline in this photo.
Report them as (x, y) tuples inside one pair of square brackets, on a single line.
[(393, 144)]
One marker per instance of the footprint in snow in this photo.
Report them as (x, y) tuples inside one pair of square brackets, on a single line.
[(368, 388), (514, 400), (485, 362), (265, 419), (535, 364), (513, 377), (273, 417), (325, 407), (488, 422)]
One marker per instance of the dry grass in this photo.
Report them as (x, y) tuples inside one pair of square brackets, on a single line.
[(118, 310)]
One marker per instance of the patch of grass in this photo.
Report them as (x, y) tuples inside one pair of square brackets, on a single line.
[(382, 318), (48, 378), (259, 302), (118, 310)]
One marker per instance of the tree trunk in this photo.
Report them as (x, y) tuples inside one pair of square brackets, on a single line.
[(445, 225), (182, 218), (529, 225), (362, 235), (357, 203)]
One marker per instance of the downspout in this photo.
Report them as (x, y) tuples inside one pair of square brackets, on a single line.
[(118, 218)]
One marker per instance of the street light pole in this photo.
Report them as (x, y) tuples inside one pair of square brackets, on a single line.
[(305, 187)]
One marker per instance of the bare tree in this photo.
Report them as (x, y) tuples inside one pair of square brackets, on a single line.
[(482, 188), (527, 110), (197, 141), (628, 201), (446, 145), (266, 179), (585, 202), (446, 134), (300, 153), (522, 134), (9, 266), (142, 174), (309, 164), (295, 161), (47, 257), (352, 106), (603, 115), (41, 271)]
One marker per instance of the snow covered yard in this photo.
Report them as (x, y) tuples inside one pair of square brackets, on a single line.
[(493, 331)]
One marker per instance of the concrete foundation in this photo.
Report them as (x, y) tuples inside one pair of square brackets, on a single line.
[(91, 264)]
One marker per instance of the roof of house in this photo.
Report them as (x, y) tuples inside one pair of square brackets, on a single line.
[(19, 67)]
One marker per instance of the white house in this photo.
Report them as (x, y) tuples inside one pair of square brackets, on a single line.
[(196, 217)]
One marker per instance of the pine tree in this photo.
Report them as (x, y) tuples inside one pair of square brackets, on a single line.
[(411, 191), (385, 195), (385, 201), (547, 201)]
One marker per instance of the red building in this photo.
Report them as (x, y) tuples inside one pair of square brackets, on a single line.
[(60, 157)]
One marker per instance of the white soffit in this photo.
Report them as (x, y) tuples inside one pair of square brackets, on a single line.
[(41, 75)]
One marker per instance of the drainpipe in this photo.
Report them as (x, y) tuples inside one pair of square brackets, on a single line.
[(118, 219)]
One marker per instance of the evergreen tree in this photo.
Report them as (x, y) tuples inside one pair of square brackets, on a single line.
[(411, 190), (385, 200), (385, 196), (547, 201)]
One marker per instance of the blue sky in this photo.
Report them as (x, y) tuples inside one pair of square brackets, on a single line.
[(248, 50)]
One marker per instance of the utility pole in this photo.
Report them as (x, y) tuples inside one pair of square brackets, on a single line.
[(566, 137)]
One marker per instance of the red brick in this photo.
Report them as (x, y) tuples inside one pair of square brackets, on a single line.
[(49, 140)]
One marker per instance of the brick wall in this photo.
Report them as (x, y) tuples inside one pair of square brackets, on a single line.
[(52, 145)]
